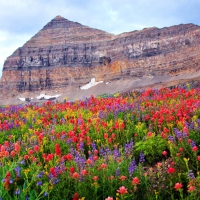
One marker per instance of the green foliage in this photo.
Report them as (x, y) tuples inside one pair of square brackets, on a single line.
[(152, 148)]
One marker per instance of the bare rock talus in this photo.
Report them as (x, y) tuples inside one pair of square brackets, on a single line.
[(66, 53)]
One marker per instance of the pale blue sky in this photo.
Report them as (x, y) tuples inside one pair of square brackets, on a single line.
[(21, 19)]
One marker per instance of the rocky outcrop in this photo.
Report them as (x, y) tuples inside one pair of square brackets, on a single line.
[(66, 53)]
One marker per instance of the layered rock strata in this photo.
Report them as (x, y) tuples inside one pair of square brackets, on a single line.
[(66, 53)]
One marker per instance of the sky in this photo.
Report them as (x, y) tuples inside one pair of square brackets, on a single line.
[(22, 19)]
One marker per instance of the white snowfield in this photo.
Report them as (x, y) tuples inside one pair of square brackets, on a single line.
[(44, 96), (90, 84), (22, 99), (25, 99)]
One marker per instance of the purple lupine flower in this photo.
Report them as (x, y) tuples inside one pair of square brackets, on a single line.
[(63, 120), (52, 138), (68, 141), (62, 167), (72, 150), (54, 121), (191, 174), (171, 138), (17, 191), (55, 181), (101, 114), (24, 120), (142, 158), (107, 107), (50, 176), (82, 178), (40, 175), (17, 126), (59, 169), (81, 146), (193, 144), (177, 133), (128, 148), (102, 152), (80, 161), (198, 122), (22, 162), (185, 135), (191, 126), (45, 194), (10, 126), (117, 172), (17, 171), (34, 120), (11, 181), (94, 146), (39, 183), (108, 152), (132, 167), (116, 153), (115, 114), (143, 117), (63, 136)]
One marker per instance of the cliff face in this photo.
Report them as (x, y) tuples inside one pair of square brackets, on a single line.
[(66, 53)]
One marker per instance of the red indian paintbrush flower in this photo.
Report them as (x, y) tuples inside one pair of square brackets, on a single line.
[(122, 178), (195, 148), (135, 181), (30, 152), (75, 196), (17, 147), (84, 172), (36, 148), (12, 153), (75, 175), (53, 171), (95, 178), (7, 180), (109, 198), (164, 153), (58, 150), (103, 166), (122, 190), (191, 188), (178, 186), (171, 170), (72, 170), (26, 157)]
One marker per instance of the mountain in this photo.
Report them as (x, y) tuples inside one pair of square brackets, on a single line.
[(68, 54)]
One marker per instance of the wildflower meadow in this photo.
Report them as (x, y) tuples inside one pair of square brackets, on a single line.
[(144, 146)]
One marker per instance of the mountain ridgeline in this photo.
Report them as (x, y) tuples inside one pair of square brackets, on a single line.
[(66, 53)]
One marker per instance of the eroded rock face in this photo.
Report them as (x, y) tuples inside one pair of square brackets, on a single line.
[(66, 53)]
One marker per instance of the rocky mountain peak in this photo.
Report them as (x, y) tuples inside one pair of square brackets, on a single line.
[(68, 54), (61, 22), (58, 17)]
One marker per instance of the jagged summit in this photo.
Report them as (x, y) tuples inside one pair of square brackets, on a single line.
[(58, 17), (60, 31), (61, 22)]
